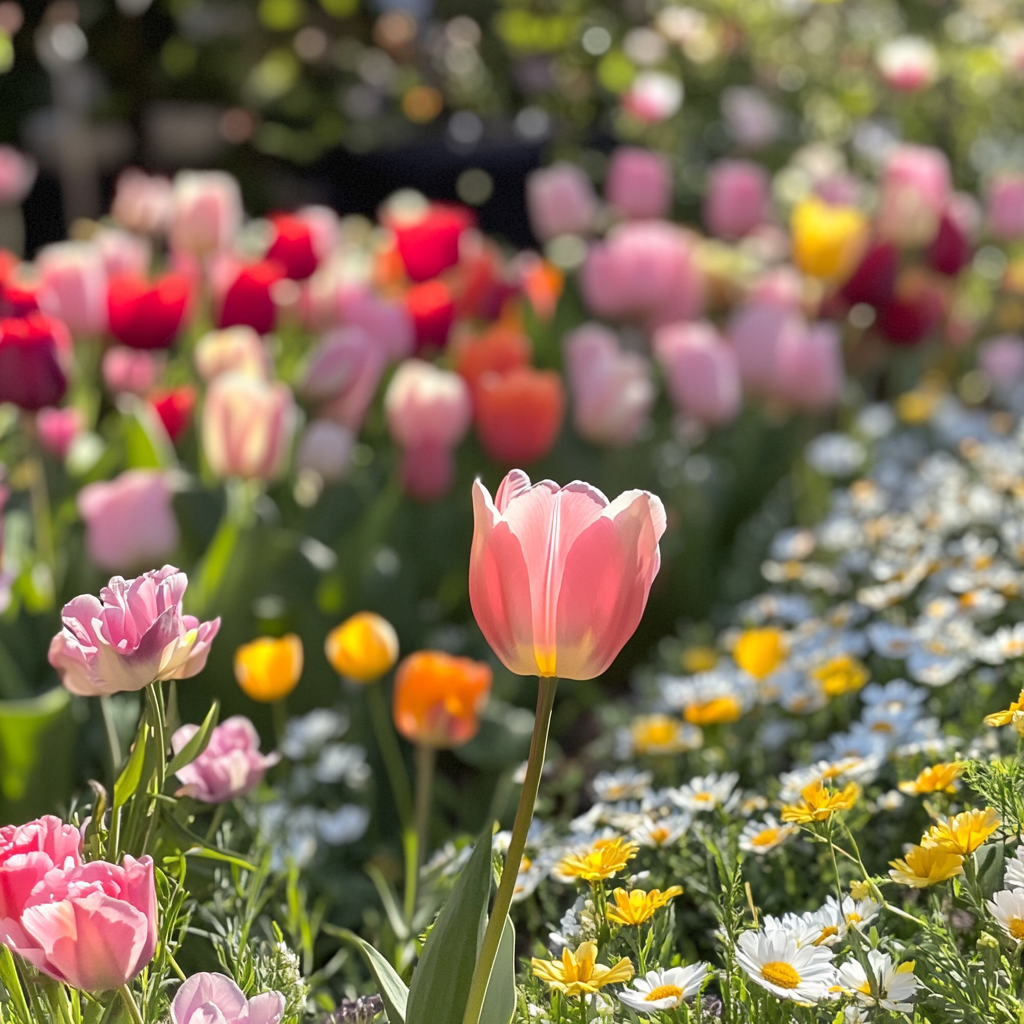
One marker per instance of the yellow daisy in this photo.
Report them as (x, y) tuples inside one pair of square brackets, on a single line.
[(819, 802), (963, 833), (606, 858), (637, 906), (923, 866), (579, 973), (939, 778)]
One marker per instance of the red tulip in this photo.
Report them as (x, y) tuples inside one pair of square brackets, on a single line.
[(911, 314), (499, 349), (429, 244), (293, 246), (147, 314), (875, 277), (175, 407), (432, 309), (33, 352), (951, 249), (519, 415), (248, 301)]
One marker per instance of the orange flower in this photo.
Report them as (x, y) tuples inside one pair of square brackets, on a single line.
[(438, 698), (519, 414), (500, 349), (268, 669)]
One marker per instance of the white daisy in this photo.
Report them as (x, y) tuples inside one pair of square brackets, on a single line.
[(665, 990), (763, 836), (894, 986), (773, 960), (1007, 907), (705, 792), (1014, 878), (625, 784), (661, 832)]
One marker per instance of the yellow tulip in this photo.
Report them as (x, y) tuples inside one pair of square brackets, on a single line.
[(827, 240), (268, 669), (363, 647)]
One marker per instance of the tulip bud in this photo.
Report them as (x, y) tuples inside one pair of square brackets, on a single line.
[(809, 373), (232, 350), (17, 176), (58, 429), (827, 240), (247, 427), (560, 200), (432, 309), (293, 247), (438, 698), (364, 647), (639, 183), (207, 212), (268, 669), (1005, 207), (246, 296), (875, 277), (915, 189), (326, 449), (519, 414), (756, 333), (908, 63), (33, 353), (73, 287), (142, 202), (144, 315), (702, 372), (737, 198), (174, 408), (428, 240), (131, 371), (426, 404)]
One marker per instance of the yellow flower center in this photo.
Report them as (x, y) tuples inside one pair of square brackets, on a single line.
[(853, 919), (1016, 928), (659, 835), (717, 711), (704, 797), (826, 933), (780, 974), (765, 837), (663, 992)]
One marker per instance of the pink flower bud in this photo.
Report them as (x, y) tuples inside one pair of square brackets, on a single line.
[(809, 373), (343, 374), (73, 287), (639, 183), (216, 999), (560, 200), (207, 212), (612, 390), (426, 404), (17, 176), (325, 448), (737, 198), (129, 521), (232, 350), (231, 765), (756, 333), (702, 372), (1005, 207), (131, 371), (142, 202), (915, 189), (58, 428), (908, 63)]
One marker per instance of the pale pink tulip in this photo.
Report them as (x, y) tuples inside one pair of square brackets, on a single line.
[(639, 183), (131, 371), (809, 373), (248, 425), (908, 63), (701, 371), (232, 350), (780, 286), (28, 853), (915, 188), (207, 212), (17, 175), (737, 198), (136, 634), (343, 374), (58, 429), (560, 200), (325, 448), (73, 287), (386, 321), (559, 577), (93, 926), (123, 252), (129, 521), (230, 766), (1005, 206), (756, 333), (612, 390), (143, 202), (216, 999), (653, 96)]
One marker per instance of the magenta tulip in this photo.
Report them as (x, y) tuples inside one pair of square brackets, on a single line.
[(639, 183), (230, 766), (216, 999), (559, 577)]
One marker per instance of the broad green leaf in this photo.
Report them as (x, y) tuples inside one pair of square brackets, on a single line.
[(392, 988), (441, 981), (12, 985), (198, 743), (129, 779), (500, 1000), (991, 867), (146, 443)]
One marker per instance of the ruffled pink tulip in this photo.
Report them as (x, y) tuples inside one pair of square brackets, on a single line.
[(737, 198), (1005, 206), (136, 634), (559, 577), (560, 200), (639, 183), (129, 521), (701, 371), (343, 375), (248, 425), (230, 766), (756, 333), (612, 390), (915, 188), (132, 371), (58, 429), (73, 287), (216, 999), (93, 926), (207, 212), (233, 350), (28, 853), (809, 374)]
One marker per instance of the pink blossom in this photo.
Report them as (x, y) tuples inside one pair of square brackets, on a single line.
[(560, 200), (639, 183), (809, 374), (736, 200), (1002, 359), (702, 372), (143, 202), (122, 252), (131, 371), (237, 349), (386, 321), (207, 212), (326, 449), (653, 96), (73, 287), (756, 332), (17, 175), (908, 63), (343, 374), (1005, 206), (216, 999), (28, 853), (230, 766), (58, 429), (915, 188), (136, 634)]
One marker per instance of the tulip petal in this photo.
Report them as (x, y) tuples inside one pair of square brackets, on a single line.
[(201, 992), (267, 1008)]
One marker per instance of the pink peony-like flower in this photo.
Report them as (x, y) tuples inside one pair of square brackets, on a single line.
[(230, 766), (559, 577), (216, 999), (136, 634), (93, 926), (28, 853)]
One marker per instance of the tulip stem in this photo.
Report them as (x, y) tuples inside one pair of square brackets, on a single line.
[(113, 743), (391, 752), (426, 760), (516, 847), (39, 495), (129, 1002)]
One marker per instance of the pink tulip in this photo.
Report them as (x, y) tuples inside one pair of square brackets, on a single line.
[(207, 212), (780, 286), (1005, 206), (612, 390), (73, 287), (1002, 359), (809, 374), (230, 766), (326, 449), (750, 116), (58, 429), (135, 635), (216, 999), (131, 371), (143, 202), (28, 853), (17, 176), (644, 269), (93, 926), (908, 63), (232, 350), (737, 198), (248, 425), (386, 321), (122, 252), (915, 188), (653, 96), (701, 371), (129, 521), (559, 578), (639, 183), (560, 200), (343, 374), (756, 333)]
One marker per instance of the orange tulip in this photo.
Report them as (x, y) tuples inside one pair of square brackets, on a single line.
[(518, 415), (500, 349), (438, 698)]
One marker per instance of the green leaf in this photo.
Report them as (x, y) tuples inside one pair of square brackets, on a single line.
[(12, 985), (392, 988), (441, 981), (387, 898), (991, 866), (146, 443), (197, 744), (131, 776), (500, 1000)]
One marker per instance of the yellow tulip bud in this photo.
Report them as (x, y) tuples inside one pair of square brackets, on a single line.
[(363, 647), (827, 240), (268, 669)]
